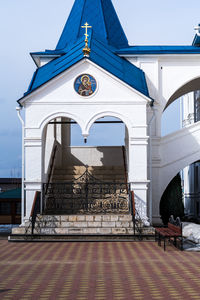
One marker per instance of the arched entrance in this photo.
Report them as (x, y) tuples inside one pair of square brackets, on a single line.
[(81, 176)]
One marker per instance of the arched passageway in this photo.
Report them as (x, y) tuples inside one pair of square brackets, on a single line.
[(182, 108), (188, 87), (181, 196), (85, 173)]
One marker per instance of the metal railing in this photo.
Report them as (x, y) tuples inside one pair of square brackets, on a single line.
[(35, 210), (85, 195), (52, 162), (137, 221), (90, 198)]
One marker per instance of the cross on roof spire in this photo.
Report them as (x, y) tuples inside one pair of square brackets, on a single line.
[(86, 49), (86, 26)]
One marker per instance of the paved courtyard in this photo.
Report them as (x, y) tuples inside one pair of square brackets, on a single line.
[(97, 271)]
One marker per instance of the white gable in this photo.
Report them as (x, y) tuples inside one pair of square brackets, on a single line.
[(109, 88)]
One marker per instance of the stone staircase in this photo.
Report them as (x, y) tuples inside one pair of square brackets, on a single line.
[(59, 223), (79, 224), (85, 227), (101, 173), (76, 189)]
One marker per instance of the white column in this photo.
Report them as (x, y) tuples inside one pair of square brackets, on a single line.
[(33, 172), (65, 140), (66, 133), (126, 141), (138, 174)]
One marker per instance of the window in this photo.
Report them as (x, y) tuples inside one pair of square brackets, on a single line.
[(197, 209), (196, 177), (18, 208), (5, 208)]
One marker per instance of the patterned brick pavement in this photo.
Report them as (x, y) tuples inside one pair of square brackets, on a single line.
[(97, 271)]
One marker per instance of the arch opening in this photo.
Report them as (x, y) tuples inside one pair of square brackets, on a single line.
[(181, 197), (188, 87), (70, 163), (181, 112)]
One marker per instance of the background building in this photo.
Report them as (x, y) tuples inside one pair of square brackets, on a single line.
[(190, 107)]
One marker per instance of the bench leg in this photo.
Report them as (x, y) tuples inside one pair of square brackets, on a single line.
[(175, 244), (159, 240), (181, 244)]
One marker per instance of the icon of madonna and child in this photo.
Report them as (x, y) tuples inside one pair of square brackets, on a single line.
[(85, 85)]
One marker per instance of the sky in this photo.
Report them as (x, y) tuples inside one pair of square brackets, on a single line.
[(28, 26)]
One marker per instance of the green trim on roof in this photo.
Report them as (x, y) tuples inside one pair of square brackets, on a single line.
[(11, 194)]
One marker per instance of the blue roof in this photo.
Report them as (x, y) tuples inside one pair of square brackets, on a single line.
[(141, 50), (101, 55), (101, 15)]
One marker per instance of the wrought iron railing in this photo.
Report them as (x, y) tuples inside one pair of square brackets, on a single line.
[(85, 195), (52, 162), (137, 221), (35, 210)]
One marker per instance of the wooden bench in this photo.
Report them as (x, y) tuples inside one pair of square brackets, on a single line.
[(173, 233)]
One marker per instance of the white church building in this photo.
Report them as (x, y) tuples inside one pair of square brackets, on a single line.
[(93, 74)]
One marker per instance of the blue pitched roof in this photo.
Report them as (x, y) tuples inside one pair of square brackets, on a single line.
[(101, 55), (141, 50), (101, 15)]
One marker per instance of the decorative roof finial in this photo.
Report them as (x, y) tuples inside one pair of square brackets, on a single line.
[(86, 49)]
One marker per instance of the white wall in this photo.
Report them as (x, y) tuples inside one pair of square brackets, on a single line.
[(92, 156)]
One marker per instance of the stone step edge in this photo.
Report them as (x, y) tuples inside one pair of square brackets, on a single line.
[(85, 218), (96, 230), (81, 224), (77, 235), (81, 238), (82, 231)]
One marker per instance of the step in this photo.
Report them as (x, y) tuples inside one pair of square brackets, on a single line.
[(94, 173), (102, 177), (93, 170), (148, 231), (82, 224), (90, 168), (86, 218), (79, 238)]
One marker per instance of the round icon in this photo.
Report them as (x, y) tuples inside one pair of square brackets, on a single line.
[(85, 85)]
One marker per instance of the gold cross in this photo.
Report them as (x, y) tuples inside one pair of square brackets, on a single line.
[(86, 26)]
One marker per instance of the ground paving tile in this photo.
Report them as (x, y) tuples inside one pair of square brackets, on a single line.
[(97, 271)]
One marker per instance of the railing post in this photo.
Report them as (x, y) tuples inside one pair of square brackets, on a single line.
[(42, 200), (125, 167), (133, 202), (133, 208)]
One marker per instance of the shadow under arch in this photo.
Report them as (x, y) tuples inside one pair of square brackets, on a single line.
[(125, 120), (46, 156), (177, 170), (189, 86), (171, 201)]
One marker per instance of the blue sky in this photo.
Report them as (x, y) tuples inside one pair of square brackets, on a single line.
[(28, 26)]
